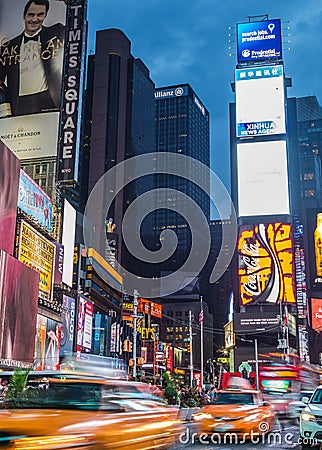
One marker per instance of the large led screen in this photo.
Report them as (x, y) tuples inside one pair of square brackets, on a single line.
[(48, 339), (314, 247), (316, 314), (32, 68), (260, 101), (257, 41), (34, 201), (69, 226), (18, 311), (262, 178), (84, 324), (68, 326), (9, 185), (255, 322), (266, 264)]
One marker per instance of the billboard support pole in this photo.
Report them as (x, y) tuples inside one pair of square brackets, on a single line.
[(135, 316), (256, 363), (191, 354), (201, 342)]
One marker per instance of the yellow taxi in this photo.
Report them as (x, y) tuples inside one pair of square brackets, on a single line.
[(242, 412), (88, 413)]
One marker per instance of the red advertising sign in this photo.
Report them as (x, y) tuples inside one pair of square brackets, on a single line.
[(148, 307), (9, 185), (169, 360), (197, 379), (18, 307), (316, 314)]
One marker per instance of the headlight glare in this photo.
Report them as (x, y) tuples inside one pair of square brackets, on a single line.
[(306, 417)]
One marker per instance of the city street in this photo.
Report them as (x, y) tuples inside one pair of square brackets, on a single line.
[(284, 436)]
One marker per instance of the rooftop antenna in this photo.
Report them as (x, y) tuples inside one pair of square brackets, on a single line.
[(260, 18)]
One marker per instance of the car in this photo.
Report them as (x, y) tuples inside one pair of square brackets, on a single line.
[(242, 412), (297, 405), (311, 420), (89, 413)]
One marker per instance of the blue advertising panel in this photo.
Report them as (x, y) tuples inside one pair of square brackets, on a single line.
[(257, 41), (171, 92), (34, 201), (68, 326)]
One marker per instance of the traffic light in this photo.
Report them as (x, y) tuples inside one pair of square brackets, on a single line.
[(189, 348), (127, 346)]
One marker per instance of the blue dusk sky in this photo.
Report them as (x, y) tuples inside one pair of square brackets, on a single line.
[(187, 41)]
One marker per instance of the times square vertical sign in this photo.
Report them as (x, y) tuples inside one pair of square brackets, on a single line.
[(73, 78)]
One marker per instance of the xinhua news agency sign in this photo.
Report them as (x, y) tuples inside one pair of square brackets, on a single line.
[(72, 88), (258, 41)]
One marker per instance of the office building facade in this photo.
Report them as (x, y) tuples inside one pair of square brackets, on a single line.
[(182, 127), (119, 121)]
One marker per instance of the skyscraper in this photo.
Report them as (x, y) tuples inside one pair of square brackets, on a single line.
[(120, 119), (309, 124), (182, 127)]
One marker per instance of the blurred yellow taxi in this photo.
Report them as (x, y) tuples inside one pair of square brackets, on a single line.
[(88, 413), (242, 412)]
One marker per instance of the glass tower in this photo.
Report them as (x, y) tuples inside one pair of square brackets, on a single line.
[(182, 127)]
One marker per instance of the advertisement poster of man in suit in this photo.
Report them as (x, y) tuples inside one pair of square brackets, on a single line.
[(32, 38)]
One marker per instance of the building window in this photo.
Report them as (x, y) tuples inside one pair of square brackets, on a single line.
[(309, 193)]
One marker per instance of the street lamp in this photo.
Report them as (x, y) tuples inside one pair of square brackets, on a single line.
[(256, 358)]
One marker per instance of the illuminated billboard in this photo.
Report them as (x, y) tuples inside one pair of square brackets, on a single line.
[(34, 201), (260, 101), (262, 178), (257, 41), (37, 252), (266, 264), (73, 81), (150, 308), (33, 136), (18, 306), (316, 314), (314, 247), (68, 326), (69, 226), (31, 55), (255, 322), (84, 324), (9, 185), (300, 269), (48, 340)]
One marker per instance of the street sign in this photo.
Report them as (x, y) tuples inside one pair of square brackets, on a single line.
[(246, 366), (282, 343), (160, 347)]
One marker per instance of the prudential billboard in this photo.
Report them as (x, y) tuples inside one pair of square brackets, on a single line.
[(258, 41)]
